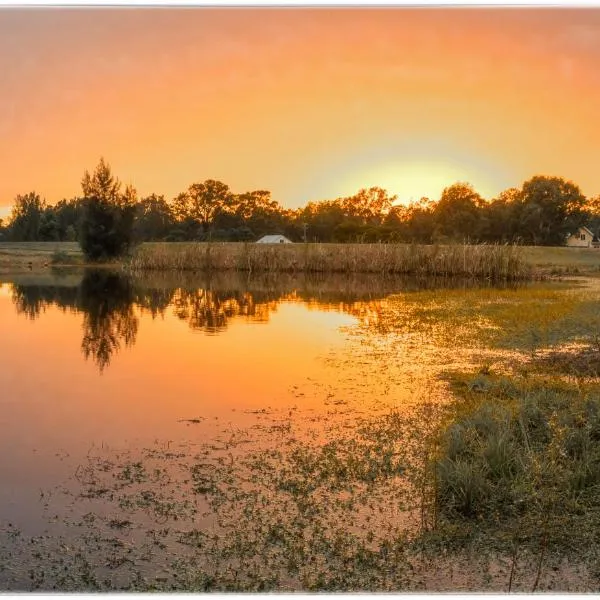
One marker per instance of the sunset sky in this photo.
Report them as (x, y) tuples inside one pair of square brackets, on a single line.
[(308, 103)]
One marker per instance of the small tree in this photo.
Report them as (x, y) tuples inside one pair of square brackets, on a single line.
[(26, 217), (108, 215)]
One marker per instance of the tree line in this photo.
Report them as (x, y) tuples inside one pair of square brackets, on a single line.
[(108, 216)]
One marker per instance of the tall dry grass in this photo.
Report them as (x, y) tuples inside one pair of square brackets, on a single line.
[(493, 262)]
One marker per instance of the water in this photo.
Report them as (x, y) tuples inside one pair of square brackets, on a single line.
[(136, 400)]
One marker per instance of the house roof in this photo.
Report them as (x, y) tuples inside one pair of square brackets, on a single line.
[(273, 239), (585, 229)]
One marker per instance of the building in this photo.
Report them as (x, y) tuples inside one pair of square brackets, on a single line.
[(583, 238), (274, 239)]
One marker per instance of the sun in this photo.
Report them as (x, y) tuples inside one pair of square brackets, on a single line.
[(411, 178)]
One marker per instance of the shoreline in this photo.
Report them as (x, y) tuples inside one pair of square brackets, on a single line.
[(472, 261)]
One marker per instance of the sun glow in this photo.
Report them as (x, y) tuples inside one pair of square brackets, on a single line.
[(411, 180)]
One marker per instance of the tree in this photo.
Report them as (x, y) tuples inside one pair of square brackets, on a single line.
[(108, 214), (420, 221), (457, 214), (68, 215), (49, 231), (549, 209), (321, 219), (368, 206), (206, 200), (259, 212), (26, 217), (102, 184), (592, 210), (154, 218)]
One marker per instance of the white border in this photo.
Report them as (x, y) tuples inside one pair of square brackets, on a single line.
[(309, 3)]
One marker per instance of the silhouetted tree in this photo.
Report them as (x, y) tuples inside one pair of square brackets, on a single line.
[(68, 215), (154, 219), (549, 208), (49, 229), (457, 214), (26, 217), (108, 215), (593, 214), (420, 221), (201, 203), (368, 206)]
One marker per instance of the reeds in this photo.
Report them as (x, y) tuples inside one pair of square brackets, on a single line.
[(492, 262)]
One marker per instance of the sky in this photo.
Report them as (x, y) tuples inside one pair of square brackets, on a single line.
[(309, 103)]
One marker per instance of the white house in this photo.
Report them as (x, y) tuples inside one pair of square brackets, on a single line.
[(582, 238), (274, 239)]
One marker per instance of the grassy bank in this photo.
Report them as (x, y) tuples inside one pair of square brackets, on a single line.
[(515, 467), (492, 262), (556, 260), (517, 475), (34, 256), (489, 262)]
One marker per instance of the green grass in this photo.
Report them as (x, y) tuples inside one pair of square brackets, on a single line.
[(521, 459)]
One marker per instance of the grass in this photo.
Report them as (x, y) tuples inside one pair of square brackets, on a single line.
[(530, 317), (34, 256), (492, 262), (521, 459), (488, 262), (563, 260)]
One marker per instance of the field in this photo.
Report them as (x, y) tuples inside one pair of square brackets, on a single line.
[(557, 260), (26, 256), (34, 256)]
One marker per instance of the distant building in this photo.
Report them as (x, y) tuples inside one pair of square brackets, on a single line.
[(583, 238), (274, 239)]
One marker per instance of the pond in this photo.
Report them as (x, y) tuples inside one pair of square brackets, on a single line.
[(225, 433)]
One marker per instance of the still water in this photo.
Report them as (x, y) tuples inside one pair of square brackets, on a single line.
[(99, 372)]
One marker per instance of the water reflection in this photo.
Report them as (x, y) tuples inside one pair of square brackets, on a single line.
[(112, 302), (109, 320)]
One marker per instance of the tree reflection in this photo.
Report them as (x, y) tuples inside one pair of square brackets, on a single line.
[(32, 300), (107, 302), (113, 303), (210, 310)]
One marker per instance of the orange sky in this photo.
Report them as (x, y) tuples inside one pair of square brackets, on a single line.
[(308, 103)]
